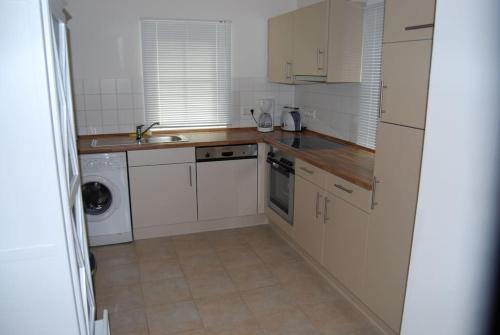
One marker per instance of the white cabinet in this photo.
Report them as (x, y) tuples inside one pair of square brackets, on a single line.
[(397, 171), (344, 254), (405, 73), (280, 49), (162, 194), (310, 40), (308, 227), (407, 20), (227, 188)]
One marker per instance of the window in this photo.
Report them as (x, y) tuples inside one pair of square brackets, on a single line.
[(370, 80), (187, 72)]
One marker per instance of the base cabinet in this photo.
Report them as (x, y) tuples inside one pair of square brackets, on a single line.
[(397, 172), (163, 194), (308, 227), (344, 254)]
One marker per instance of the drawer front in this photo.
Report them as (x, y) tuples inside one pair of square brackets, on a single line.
[(161, 156), (311, 173), (351, 193)]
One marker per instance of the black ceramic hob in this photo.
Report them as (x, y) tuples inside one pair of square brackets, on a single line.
[(310, 142)]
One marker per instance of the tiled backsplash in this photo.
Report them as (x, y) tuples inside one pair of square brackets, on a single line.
[(116, 105), (332, 109)]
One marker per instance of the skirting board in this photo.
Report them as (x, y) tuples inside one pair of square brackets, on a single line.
[(358, 304), (199, 226)]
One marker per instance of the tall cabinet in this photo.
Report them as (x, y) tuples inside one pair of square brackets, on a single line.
[(46, 286), (406, 65)]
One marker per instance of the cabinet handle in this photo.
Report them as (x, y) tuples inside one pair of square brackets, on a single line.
[(190, 176), (325, 216), (318, 196), (288, 72), (375, 181), (319, 61), (421, 26), (307, 170), (381, 99), (343, 188)]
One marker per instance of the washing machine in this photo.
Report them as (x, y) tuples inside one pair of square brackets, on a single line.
[(106, 198)]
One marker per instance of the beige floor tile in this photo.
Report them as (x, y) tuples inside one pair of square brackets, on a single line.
[(295, 271), (126, 274), (277, 255), (120, 298), (337, 317), (290, 322), (226, 239), (250, 327), (238, 257), (156, 248), (224, 312), (129, 322), (112, 255), (200, 263), (268, 300), (252, 277), (165, 291), (210, 284), (191, 332), (159, 269), (173, 318), (312, 291)]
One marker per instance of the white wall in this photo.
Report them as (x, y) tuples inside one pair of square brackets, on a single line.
[(106, 54), (456, 227)]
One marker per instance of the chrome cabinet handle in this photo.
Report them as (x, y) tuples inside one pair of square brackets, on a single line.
[(374, 202), (318, 197), (319, 61), (325, 216), (288, 72), (421, 26), (190, 176), (306, 170), (381, 99), (343, 188)]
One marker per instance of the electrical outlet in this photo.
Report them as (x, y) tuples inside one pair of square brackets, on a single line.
[(246, 110)]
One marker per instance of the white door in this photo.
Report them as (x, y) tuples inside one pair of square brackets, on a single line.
[(227, 188)]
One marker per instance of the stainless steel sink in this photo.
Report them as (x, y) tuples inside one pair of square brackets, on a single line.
[(113, 142)]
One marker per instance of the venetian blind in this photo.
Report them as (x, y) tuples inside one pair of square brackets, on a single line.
[(187, 72), (371, 72)]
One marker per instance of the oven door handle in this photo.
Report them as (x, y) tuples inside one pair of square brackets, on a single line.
[(280, 168)]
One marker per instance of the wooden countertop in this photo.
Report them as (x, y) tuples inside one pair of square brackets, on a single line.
[(348, 161)]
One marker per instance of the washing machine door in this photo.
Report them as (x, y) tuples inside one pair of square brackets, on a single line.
[(100, 198)]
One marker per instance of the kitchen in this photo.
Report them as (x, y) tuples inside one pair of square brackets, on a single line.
[(264, 167)]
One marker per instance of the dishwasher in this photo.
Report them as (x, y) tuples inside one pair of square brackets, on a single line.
[(226, 181)]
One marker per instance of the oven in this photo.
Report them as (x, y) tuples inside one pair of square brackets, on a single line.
[(281, 184)]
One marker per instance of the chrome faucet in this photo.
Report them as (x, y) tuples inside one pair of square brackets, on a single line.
[(139, 133)]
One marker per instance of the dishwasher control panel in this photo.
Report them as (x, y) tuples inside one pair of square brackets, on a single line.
[(226, 152)]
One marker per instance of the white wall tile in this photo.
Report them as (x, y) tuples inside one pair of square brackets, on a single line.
[(108, 102), (126, 128), (125, 116), (110, 117), (138, 86), (92, 102), (94, 118), (139, 116), (79, 103), (123, 86), (108, 86), (138, 101), (125, 101), (91, 86), (78, 87), (110, 129)]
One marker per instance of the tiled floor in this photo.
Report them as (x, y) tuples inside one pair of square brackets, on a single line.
[(233, 282)]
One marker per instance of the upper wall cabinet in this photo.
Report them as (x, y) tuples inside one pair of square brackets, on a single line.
[(325, 40), (280, 49), (407, 20), (310, 37)]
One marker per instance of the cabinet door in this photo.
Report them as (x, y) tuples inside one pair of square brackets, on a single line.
[(310, 40), (345, 41), (345, 242), (397, 171), (227, 188), (407, 20), (308, 227), (280, 49), (163, 194), (405, 72)]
